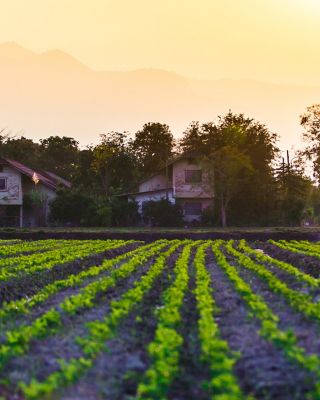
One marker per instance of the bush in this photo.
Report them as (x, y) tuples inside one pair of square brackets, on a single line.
[(69, 207), (162, 213), (75, 208), (208, 217), (124, 212)]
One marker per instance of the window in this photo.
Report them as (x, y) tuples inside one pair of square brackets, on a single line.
[(193, 175), (3, 184), (193, 208)]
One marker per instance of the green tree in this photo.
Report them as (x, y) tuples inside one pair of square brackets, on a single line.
[(228, 169), (295, 194), (153, 146), (310, 121), (23, 150), (255, 197), (60, 155), (113, 162)]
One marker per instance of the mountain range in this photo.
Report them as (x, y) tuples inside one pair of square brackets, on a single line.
[(53, 93)]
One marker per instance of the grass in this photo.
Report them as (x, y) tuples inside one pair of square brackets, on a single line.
[(140, 229)]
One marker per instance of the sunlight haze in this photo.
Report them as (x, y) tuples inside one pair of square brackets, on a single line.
[(274, 42)]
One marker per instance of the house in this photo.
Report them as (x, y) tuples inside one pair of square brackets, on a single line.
[(183, 181), (25, 194)]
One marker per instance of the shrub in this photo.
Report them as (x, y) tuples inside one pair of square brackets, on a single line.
[(124, 212), (76, 208), (162, 213), (69, 207), (208, 217)]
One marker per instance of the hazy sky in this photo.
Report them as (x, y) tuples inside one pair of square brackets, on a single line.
[(270, 40)]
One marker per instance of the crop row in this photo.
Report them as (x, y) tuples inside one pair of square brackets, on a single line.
[(165, 348), (24, 305), (296, 247), (285, 340), (215, 351), (98, 332), (11, 267), (18, 340), (290, 269), (298, 300), (137, 271)]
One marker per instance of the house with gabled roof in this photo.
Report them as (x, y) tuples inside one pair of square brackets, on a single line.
[(183, 181), (25, 194)]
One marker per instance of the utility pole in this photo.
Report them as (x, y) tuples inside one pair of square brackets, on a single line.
[(288, 161), (283, 169)]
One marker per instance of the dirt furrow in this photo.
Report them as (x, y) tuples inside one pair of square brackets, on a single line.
[(262, 370)]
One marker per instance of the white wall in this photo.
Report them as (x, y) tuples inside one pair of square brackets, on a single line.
[(156, 196), (155, 183), (13, 194), (189, 190)]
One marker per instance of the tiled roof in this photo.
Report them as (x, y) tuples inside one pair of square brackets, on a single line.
[(48, 179)]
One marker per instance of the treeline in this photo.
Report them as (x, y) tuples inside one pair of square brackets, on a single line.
[(253, 185)]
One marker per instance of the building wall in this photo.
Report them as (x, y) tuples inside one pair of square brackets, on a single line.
[(189, 190), (140, 198), (182, 192), (13, 193), (205, 203), (155, 183), (31, 215)]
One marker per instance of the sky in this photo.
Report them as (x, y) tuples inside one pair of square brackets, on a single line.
[(269, 40)]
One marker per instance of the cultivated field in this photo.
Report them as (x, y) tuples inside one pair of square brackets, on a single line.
[(115, 319)]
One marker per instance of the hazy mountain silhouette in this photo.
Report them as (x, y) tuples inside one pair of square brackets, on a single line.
[(53, 93)]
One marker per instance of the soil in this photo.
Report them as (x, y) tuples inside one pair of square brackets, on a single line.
[(44, 353), (150, 236), (28, 284), (262, 370), (308, 264)]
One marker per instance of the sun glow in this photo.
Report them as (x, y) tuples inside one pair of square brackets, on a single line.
[(307, 5)]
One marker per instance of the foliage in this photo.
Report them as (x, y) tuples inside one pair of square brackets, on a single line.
[(72, 207), (310, 121), (124, 212), (243, 150), (113, 162), (153, 146), (229, 169), (162, 213), (60, 155)]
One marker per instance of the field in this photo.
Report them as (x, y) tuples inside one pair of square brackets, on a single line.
[(170, 319)]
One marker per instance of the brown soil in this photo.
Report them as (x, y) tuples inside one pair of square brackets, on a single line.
[(29, 284), (262, 370)]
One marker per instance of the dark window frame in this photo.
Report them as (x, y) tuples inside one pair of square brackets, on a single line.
[(193, 176), (5, 184), (190, 206)]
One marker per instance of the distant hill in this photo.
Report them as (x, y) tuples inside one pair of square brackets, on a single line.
[(53, 93)]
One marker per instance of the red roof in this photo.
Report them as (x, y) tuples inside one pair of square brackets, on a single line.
[(48, 179)]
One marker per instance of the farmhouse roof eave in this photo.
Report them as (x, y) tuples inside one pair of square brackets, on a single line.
[(44, 177), (141, 193)]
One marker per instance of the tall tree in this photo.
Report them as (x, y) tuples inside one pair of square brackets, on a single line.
[(252, 200), (23, 150), (310, 121), (228, 170), (153, 146), (113, 162), (60, 155)]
